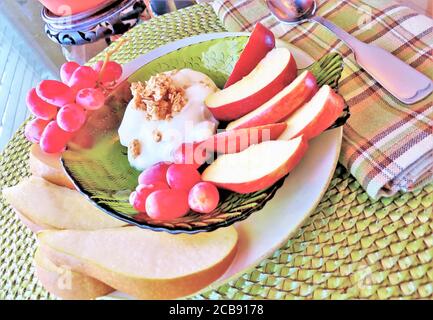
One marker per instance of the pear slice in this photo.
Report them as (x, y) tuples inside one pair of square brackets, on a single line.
[(29, 223), (48, 166), (143, 263), (67, 284), (49, 205)]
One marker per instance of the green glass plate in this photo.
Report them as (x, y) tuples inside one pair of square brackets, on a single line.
[(98, 165)]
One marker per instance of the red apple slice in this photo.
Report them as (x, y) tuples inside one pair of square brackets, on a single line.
[(227, 142), (282, 105), (315, 116), (257, 167), (269, 77), (234, 141), (261, 41)]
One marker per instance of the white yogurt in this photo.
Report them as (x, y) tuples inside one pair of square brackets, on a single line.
[(193, 123)]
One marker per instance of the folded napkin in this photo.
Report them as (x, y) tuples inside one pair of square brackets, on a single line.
[(387, 146)]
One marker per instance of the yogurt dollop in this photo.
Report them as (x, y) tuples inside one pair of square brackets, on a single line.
[(150, 141)]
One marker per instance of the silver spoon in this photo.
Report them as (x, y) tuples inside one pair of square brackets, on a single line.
[(401, 80)]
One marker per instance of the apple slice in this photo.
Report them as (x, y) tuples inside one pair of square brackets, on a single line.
[(269, 77), (261, 41), (232, 141), (257, 167), (282, 105), (315, 116)]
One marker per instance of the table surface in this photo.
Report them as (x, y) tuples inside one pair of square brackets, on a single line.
[(350, 247), (27, 56), (20, 70)]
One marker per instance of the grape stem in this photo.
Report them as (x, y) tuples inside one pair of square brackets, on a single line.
[(108, 55)]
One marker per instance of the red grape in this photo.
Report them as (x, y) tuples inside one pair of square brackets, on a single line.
[(139, 196), (132, 197), (71, 117), (156, 173), (167, 204), (67, 70), (203, 197), (34, 129), (83, 77), (182, 176), (39, 107), (55, 92), (54, 139), (112, 71), (90, 98)]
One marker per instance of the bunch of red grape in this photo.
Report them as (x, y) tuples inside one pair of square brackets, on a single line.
[(167, 191), (60, 107)]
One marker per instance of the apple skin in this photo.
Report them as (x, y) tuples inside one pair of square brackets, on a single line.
[(301, 90), (331, 107), (239, 108), (261, 41), (269, 179)]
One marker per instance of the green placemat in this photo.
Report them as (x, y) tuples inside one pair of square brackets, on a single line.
[(350, 247)]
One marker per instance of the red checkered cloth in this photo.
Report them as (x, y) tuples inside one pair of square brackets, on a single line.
[(387, 146)]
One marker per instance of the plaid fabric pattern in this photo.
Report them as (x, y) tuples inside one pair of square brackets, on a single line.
[(387, 146)]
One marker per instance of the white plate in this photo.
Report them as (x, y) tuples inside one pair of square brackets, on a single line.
[(268, 229)]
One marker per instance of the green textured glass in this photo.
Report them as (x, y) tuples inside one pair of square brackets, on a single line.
[(98, 164)]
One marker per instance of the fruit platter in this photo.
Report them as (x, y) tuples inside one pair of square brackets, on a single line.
[(180, 169)]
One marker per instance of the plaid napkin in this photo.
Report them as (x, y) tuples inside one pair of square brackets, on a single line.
[(387, 146)]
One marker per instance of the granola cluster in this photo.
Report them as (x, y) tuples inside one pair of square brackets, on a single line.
[(158, 97), (135, 148)]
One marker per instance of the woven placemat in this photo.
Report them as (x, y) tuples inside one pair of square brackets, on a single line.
[(350, 247)]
